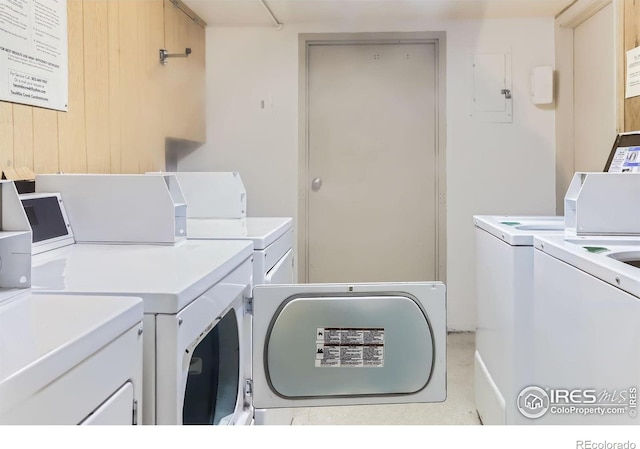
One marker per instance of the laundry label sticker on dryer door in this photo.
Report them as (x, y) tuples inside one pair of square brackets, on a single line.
[(349, 347)]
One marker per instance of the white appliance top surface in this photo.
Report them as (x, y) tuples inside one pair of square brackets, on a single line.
[(43, 336), (10, 293), (263, 231), (167, 277), (519, 230), (602, 257)]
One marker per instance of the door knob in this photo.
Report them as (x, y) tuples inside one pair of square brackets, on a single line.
[(316, 184)]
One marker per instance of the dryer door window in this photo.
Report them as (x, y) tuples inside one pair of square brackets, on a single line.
[(212, 382)]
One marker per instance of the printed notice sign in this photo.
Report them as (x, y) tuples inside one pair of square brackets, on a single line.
[(625, 160), (349, 347), (33, 53), (632, 88)]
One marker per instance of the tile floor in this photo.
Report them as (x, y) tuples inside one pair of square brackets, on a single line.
[(457, 409)]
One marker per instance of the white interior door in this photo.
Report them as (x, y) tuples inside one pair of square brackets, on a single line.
[(594, 91), (372, 207)]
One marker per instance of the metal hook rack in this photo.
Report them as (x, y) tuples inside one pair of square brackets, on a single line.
[(164, 54)]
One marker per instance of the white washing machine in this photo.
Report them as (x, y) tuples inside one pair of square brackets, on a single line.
[(312, 344), (504, 332), (70, 359), (587, 310), (586, 296)]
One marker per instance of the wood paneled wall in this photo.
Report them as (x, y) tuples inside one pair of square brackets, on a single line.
[(122, 102), (631, 40), (184, 118)]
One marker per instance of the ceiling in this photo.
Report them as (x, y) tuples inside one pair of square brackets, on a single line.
[(253, 13)]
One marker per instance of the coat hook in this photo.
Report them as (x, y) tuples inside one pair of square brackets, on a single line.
[(164, 54)]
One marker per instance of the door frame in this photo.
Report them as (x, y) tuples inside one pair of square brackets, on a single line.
[(565, 24), (305, 41)]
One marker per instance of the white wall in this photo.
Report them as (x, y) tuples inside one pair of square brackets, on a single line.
[(492, 168), (565, 164)]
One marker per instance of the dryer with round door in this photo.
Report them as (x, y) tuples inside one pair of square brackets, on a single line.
[(311, 344), (217, 210), (319, 345), (194, 293), (504, 310)]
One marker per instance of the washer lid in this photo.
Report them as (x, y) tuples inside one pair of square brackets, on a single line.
[(615, 260), (263, 231), (166, 277), (44, 336), (339, 344), (519, 230)]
